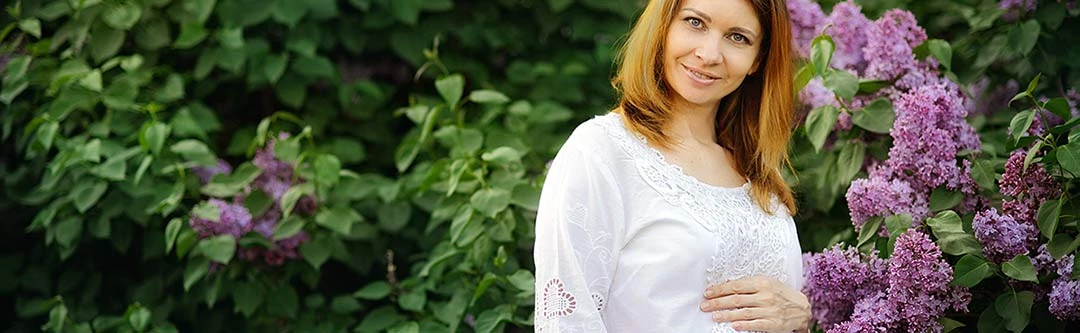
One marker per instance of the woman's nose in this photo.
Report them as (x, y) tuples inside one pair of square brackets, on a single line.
[(710, 53)]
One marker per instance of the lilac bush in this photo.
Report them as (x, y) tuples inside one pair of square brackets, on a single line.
[(275, 178)]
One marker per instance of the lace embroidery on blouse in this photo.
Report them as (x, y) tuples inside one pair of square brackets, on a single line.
[(558, 300), (748, 241)]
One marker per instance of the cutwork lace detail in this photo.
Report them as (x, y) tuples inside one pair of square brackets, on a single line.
[(557, 301), (748, 241)]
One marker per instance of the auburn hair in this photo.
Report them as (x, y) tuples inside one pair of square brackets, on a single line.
[(754, 121)]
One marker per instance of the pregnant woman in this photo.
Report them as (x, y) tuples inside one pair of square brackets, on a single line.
[(669, 214)]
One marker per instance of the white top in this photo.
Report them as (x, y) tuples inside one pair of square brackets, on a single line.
[(626, 242)]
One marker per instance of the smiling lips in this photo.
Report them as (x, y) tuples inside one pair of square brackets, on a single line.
[(699, 76)]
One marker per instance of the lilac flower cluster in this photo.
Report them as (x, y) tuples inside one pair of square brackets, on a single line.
[(890, 44), (928, 133), (874, 196), (1001, 236), (907, 293), (806, 21), (275, 179), (1016, 8), (849, 31), (837, 278), (1027, 191)]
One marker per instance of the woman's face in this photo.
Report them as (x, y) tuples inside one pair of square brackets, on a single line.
[(710, 47)]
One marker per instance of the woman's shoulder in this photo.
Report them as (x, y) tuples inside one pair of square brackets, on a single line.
[(599, 134)]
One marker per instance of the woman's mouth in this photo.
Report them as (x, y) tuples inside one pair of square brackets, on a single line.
[(699, 76)]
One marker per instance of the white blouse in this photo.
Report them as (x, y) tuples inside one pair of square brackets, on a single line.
[(626, 242)]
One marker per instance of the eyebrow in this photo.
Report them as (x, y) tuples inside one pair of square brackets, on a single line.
[(708, 19)]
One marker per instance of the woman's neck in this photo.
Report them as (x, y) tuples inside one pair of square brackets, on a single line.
[(691, 122)]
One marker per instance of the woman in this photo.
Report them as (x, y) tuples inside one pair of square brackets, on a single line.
[(669, 214)]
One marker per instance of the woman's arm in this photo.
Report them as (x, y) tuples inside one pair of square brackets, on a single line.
[(575, 250)]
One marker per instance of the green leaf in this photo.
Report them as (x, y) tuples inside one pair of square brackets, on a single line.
[(843, 83), (105, 43), (1015, 309), (877, 117), (218, 248), (222, 185), (292, 195), (522, 279), (1023, 36), (172, 230), (339, 219), (196, 269), (407, 11), (1020, 269), (122, 15), (394, 216), (153, 34), (821, 53), (92, 80), (288, 227), (559, 5), (970, 270), (869, 229), (316, 251), (1059, 106), (490, 201), (87, 193), (373, 291), (143, 166), (942, 199), (191, 34), (283, 302), (31, 26), (153, 137), (982, 171), (503, 156), (231, 37), (450, 88), (314, 67), (949, 231), (872, 86), (942, 51), (1061, 245), (247, 296), (819, 123), (948, 325), (327, 169), (486, 96), (207, 211), (851, 160), (1048, 215), (1020, 123), (1069, 157), (274, 66), (138, 317), (68, 231), (344, 304), (413, 300), (803, 76), (405, 327), (897, 224), (489, 320)]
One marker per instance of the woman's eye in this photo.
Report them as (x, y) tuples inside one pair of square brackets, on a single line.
[(739, 38), (694, 22)]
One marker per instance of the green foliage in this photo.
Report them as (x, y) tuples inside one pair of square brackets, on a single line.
[(423, 129)]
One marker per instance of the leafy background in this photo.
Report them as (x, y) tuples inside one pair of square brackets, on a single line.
[(422, 127)]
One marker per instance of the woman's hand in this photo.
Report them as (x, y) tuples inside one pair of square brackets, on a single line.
[(758, 303)]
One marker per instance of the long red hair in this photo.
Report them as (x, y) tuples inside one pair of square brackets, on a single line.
[(758, 140)]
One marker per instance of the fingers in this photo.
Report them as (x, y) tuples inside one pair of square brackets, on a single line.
[(748, 285), (737, 301), (738, 315), (763, 325)]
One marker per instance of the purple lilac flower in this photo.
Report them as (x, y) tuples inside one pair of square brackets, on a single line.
[(849, 32), (234, 220), (889, 45), (1016, 8), (205, 173), (1001, 236), (1073, 98), (919, 280), (1065, 299), (876, 196), (815, 95), (927, 136), (837, 278), (1034, 182), (806, 22), (871, 314)]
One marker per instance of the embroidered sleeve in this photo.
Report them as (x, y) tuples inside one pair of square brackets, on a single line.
[(579, 211)]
